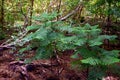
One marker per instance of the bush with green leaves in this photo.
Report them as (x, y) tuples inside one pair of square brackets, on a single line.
[(51, 37), (95, 59), (46, 36), (104, 8)]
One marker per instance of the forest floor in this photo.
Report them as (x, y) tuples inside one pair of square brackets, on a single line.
[(59, 68), (51, 69)]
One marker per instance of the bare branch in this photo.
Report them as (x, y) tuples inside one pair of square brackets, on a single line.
[(71, 13)]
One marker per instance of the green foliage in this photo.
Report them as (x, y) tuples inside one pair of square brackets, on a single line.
[(103, 7), (89, 40), (46, 16), (96, 73), (45, 37), (72, 4), (52, 37), (90, 50)]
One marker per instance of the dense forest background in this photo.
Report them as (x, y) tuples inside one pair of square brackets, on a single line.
[(85, 33), (16, 13)]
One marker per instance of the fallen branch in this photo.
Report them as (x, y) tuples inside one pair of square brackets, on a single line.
[(79, 7), (45, 65), (11, 43)]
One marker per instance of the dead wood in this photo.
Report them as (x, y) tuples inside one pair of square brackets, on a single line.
[(79, 7)]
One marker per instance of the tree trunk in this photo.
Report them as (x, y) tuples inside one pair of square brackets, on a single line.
[(31, 11), (108, 17), (108, 24), (59, 6), (2, 14)]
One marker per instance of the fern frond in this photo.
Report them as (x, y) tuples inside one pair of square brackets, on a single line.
[(108, 60), (45, 16), (96, 73), (64, 28), (91, 61), (43, 53), (41, 34), (33, 27), (85, 53)]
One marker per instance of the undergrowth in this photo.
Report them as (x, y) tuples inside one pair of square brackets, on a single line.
[(51, 38)]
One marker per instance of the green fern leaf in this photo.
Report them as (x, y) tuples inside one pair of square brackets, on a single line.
[(65, 28), (79, 42), (75, 56), (95, 43), (84, 52), (68, 39), (107, 60), (41, 34), (33, 27), (91, 61), (43, 53), (28, 37)]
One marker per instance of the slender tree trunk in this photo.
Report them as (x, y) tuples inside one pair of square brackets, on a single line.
[(59, 6), (108, 17), (31, 11), (108, 21), (108, 25), (2, 14)]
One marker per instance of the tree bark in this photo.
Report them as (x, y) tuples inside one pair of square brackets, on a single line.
[(59, 6), (31, 11), (2, 14)]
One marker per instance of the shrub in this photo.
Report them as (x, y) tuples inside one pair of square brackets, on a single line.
[(52, 37)]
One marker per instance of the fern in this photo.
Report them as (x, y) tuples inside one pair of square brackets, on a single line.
[(96, 73), (83, 40), (33, 27), (52, 37), (46, 16), (91, 61), (47, 37)]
